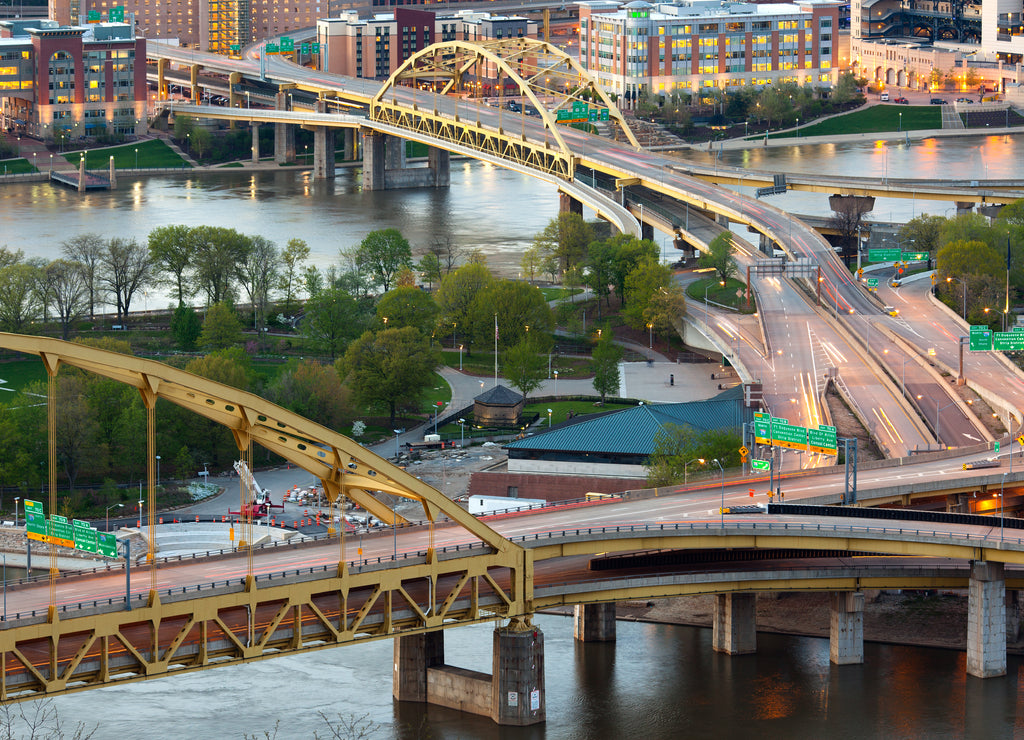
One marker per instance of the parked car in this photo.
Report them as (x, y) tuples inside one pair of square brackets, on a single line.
[(884, 97), (901, 101), (964, 100), (938, 101)]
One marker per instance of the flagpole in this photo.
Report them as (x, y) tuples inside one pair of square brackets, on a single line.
[(495, 350)]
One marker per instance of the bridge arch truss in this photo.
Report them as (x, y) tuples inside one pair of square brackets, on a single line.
[(548, 78)]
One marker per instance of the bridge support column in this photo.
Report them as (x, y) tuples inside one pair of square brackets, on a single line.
[(234, 98), (735, 625), (161, 78), (373, 161), (767, 245), (1013, 615), (958, 503), (351, 148), (414, 656), (517, 689), (439, 162), (594, 622), (196, 90), (394, 153), (964, 207), (284, 133), (646, 231), (722, 220), (255, 142), (323, 153), (846, 634), (986, 620), (568, 204)]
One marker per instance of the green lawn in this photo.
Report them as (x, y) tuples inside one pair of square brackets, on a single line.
[(151, 153), (16, 166), (558, 293), (17, 374), (732, 294), (873, 120)]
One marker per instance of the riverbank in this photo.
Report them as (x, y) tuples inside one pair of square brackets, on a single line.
[(922, 619)]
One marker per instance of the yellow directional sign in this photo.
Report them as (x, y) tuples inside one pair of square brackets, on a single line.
[(744, 451)]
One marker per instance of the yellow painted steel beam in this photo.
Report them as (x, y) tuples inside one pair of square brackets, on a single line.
[(312, 447)]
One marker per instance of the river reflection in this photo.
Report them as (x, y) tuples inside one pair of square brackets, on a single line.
[(656, 682)]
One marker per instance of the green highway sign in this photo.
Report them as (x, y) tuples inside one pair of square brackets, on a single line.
[(236, 47), (316, 47), (93, 16), (106, 544), (305, 47), (981, 339), (761, 415), (914, 257), (761, 464), (35, 521), (884, 255), (788, 435), (872, 282), (85, 536), (1007, 341), (762, 432), (823, 440), (116, 14), (287, 44), (61, 531), (272, 48)]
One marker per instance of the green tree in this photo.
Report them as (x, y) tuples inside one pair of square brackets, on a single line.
[(601, 270), (969, 227), (295, 254), (719, 256), (524, 367), (566, 239), (408, 306), (391, 369), (532, 262), (218, 253), (333, 319), (186, 327), (629, 252), (172, 251), (959, 258), (382, 254), (642, 284), (664, 311), (520, 311), (258, 273), (86, 250), (64, 291), (312, 390), (845, 89), (221, 328), (456, 295), (200, 142), (125, 269), (20, 303), (430, 269), (676, 445), (921, 234), (606, 358)]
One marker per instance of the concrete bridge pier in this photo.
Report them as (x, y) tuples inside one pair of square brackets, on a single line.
[(735, 624), (384, 165), (594, 622), (722, 220), (846, 633), (512, 695), (351, 144), (767, 245), (646, 231), (323, 147), (568, 204), (986, 620), (323, 153), (964, 207), (255, 143), (284, 133), (1013, 615)]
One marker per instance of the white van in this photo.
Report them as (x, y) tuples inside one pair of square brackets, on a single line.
[(884, 97)]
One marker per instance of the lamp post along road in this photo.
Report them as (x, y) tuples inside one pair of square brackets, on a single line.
[(721, 508), (687, 465), (107, 516)]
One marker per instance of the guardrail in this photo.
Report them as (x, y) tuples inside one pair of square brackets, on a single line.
[(583, 532)]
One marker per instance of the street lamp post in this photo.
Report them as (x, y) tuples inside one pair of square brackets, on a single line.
[(555, 373), (650, 336), (1002, 483), (16, 500), (397, 433), (549, 418), (107, 516), (136, 158), (460, 358), (462, 426), (721, 509), (686, 465)]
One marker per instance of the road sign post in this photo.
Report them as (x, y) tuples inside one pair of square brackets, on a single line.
[(980, 339)]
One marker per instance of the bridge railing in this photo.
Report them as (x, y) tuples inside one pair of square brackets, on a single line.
[(990, 539)]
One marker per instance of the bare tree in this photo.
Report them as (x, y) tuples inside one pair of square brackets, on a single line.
[(64, 290), (86, 249), (125, 267), (258, 274), (848, 219)]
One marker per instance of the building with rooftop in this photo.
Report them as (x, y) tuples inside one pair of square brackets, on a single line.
[(690, 45), (72, 82)]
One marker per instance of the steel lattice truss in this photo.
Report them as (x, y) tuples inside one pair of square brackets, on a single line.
[(543, 77)]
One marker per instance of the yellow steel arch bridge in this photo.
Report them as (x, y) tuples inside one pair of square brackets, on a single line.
[(290, 599)]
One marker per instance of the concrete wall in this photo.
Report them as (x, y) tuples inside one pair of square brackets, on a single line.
[(561, 488), (458, 688)]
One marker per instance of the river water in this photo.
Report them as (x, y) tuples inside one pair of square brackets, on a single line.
[(656, 681)]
